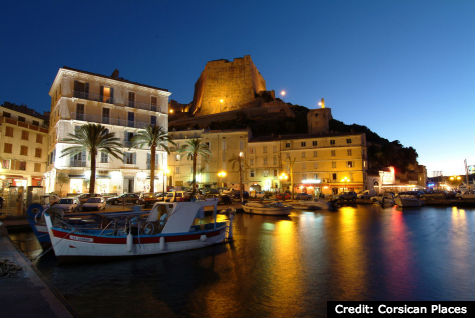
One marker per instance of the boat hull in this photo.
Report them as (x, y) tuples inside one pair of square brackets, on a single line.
[(408, 202), (267, 211), (76, 245)]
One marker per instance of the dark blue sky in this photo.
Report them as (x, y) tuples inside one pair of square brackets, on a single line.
[(403, 68)]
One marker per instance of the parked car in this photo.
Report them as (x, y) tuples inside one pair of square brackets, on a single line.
[(68, 204), (366, 194), (177, 196), (124, 199), (84, 197), (348, 196), (94, 204), (467, 195), (303, 196), (147, 198), (49, 199), (160, 196), (283, 196)]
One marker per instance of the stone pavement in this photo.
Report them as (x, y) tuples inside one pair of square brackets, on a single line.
[(24, 294)]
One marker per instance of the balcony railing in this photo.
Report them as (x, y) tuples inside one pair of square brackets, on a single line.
[(42, 128), (108, 120), (111, 100), (77, 163)]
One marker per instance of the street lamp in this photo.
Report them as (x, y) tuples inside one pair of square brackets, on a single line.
[(221, 175), (345, 181), (241, 186), (221, 101), (164, 172), (283, 177)]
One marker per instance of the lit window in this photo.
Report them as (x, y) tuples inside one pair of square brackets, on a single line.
[(349, 164)]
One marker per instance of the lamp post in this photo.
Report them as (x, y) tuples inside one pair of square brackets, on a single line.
[(164, 172), (345, 181), (221, 101), (241, 186), (221, 175), (283, 177)]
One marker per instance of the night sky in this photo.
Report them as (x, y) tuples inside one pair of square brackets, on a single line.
[(403, 68)]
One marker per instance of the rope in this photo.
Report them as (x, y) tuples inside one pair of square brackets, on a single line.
[(8, 268), (52, 246)]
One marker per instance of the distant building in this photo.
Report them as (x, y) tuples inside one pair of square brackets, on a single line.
[(23, 146), (123, 107)]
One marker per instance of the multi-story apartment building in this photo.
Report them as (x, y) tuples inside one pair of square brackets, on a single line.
[(318, 164), (123, 107), (224, 145), (23, 146)]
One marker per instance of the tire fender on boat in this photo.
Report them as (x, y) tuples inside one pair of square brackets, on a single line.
[(162, 243), (203, 238)]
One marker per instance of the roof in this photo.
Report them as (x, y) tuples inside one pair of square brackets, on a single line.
[(120, 79), (301, 136), (25, 110)]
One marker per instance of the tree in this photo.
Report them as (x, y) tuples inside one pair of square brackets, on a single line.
[(239, 161), (93, 138), (61, 179), (193, 149), (152, 137)]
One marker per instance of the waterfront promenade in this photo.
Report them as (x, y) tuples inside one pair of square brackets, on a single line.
[(24, 293)]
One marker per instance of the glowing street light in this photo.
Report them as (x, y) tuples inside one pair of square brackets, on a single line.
[(164, 172), (283, 176), (345, 180), (222, 175), (171, 111)]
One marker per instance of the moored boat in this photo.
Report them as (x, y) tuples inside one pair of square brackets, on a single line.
[(315, 204), (407, 201), (170, 227), (267, 208)]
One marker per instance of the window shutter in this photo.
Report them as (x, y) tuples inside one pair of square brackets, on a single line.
[(124, 159), (134, 157), (126, 136), (101, 93), (86, 90), (112, 96)]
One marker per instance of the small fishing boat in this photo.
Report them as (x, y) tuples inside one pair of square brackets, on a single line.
[(407, 201), (170, 227), (92, 220), (267, 208), (315, 204)]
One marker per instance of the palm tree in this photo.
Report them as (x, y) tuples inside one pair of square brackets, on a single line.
[(152, 137), (193, 149), (93, 138), (239, 161)]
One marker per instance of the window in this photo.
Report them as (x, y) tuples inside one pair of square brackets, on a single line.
[(251, 149), (7, 148), (105, 115), (348, 152), (333, 164), (274, 161), (241, 145), (274, 148), (77, 129), (9, 131), (21, 118), (106, 94), (332, 141), (275, 172), (153, 120), (6, 114), (334, 176), (38, 152), (37, 167), (251, 162), (81, 90), (349, 164), (79, 111), (177, 170), (333, 153), (315, 154), (131, 99), (24, 151), (303, 144), (129, 158), (24, 135), (35, 123), (153, 103), (252, 174), (130, 119), (264, 149), (287, 145), (128, 138), (315, 165), (303, 154), (177, 157), (5, 164), (104, 157), (265, 161), (314, 143), (20, 165), (315, 176), (304, 166), (348, 140)]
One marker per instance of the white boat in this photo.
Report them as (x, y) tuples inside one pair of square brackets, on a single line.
[(170, 227), (267, 208), (310, 204), (407, 201)]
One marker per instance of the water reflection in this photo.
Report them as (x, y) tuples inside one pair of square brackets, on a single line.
[(279, 267)]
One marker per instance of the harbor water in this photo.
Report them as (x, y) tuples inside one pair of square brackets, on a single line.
[(283, 266)]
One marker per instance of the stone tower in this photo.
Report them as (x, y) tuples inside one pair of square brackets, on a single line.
[(227, 85), (318, 120)]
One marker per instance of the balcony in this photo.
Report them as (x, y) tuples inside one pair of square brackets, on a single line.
[(108, 120), (110, 100), (12, 121), (77, 163)]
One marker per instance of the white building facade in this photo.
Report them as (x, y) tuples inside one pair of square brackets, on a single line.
[(124, 108)]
